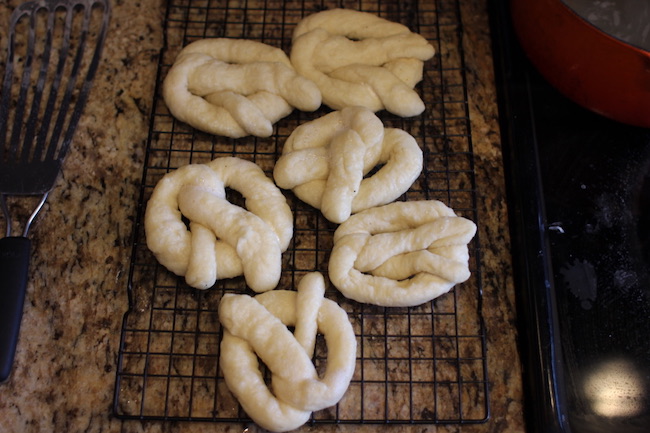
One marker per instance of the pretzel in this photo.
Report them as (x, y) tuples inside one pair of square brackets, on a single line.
[(357, 58), (324, 162), (257, 327), (401, 254), (224, 240), (235, 87)]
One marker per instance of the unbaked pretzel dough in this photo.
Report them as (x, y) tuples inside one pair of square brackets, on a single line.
[(324, 162), (224, 240), (358, 58), (401, 254), (257, 327), (235, 87)]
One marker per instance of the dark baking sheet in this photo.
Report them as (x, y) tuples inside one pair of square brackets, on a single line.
[(579, 195), (415, 365)]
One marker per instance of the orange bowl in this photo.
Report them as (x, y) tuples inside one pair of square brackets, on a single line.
[(586, 64)]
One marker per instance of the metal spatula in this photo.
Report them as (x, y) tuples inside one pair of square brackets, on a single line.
[(54, 48)]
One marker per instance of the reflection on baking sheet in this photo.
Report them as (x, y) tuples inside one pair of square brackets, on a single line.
[(616, 388)]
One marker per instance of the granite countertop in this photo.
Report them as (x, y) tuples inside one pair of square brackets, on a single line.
[(64, 370)]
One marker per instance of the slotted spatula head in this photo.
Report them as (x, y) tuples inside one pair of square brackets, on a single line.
[(53, 51), (54, 48)]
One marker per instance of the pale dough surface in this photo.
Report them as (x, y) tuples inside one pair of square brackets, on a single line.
[(326, 162), (235, 87), (257, 327), (358, 58), (401, 254), (224, 240)]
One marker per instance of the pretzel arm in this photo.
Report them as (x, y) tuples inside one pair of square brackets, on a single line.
[(394, 217), (339, 51), (237, 50), (406, 265), (167, 236), (201, 85), (401, 254), (379, 290), (241, 113), (257, 328), (402, 161), (201, 270), (306, 154), (346, 173), (242, 229), (336, 93), (357, 58), (249, 78), (354, 24), (316, 393), (263, 198), (395, 95), (267, 411), (439, 233), (309, 300), (325, 162), (301, 166), (407, 70), (269, 337), (273, 107)]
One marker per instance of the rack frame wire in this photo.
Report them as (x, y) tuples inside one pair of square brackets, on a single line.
[(419, 365)]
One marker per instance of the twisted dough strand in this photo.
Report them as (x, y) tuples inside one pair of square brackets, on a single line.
[(357, 58), (257, 327), (401, 254), (325, 163), (255, 244), (235, 87), (224, 240)]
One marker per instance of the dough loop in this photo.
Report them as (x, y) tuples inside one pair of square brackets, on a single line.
[(324, 162), (401, 254), (223, 240), (358, 58), (235, 87), (257, 327)]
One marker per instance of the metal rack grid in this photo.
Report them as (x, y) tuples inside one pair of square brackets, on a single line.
[(425, 364)]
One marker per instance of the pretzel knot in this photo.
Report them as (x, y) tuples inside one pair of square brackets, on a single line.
[(325, 162), (358, 58), (235, 87), (401, 254), (257, 327), (223, 240)]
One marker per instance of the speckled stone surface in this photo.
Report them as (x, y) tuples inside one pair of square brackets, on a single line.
[(64, 370)]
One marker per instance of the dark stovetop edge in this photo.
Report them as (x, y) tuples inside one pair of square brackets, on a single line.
[(537, 312)]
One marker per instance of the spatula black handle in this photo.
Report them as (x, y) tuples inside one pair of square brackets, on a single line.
[(14, 263)]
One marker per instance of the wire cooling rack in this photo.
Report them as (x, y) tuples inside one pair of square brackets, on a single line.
[(425, 364)]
